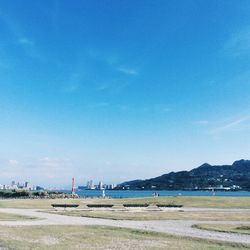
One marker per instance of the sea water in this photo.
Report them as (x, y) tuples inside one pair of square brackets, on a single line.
[(148, 193)]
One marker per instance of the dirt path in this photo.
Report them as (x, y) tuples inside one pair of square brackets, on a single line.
[(177, 227)]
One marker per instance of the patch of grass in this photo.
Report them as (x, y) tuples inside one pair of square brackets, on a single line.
[(241, 229), (101, 237), (191, 201), (14, 217), (186, 201), (160, 215), (244, 227), (36, 203)]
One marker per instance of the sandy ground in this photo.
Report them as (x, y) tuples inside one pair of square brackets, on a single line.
[(177, 227)]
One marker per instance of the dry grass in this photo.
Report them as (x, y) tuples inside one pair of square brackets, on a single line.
[(35, 203), (14, 217), (100, 237), (242, 229), (161, 215), (192, 201), (186, 201)]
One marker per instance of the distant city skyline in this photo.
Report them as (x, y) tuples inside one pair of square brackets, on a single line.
[(121, 90)]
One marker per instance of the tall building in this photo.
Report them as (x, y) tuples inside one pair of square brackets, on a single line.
[(100, 186), (90, 185)]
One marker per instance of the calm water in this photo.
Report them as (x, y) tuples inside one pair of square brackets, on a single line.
[(141, 193)]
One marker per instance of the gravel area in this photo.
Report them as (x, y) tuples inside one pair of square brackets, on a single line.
[(177, 227)]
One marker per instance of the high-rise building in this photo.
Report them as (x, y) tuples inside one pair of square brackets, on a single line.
[(90, 185), (100, 186)]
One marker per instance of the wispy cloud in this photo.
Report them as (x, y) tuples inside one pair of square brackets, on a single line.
[(239, 43), (52, 162), (43, 169), (74, 83), (20, 37), (25, 41), (201, 122), (115, 85), (103, 86), (158, 108), (12, 162), (128, 71), (114, 61), (110, 59), (9, 168), (71, 87), (8, 162), (227, 125), (117, 74), (30, 48), (235, 124)]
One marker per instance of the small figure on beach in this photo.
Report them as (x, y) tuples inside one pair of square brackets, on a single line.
[(155, 194)]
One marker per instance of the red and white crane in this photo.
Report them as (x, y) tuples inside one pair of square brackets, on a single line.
[(73, 186)]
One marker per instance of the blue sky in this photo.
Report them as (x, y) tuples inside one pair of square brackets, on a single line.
[(118, 90)]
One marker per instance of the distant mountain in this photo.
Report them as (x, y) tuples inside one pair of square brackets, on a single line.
[(206, 176)]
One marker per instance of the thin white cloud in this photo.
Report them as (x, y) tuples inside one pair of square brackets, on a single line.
[(97, 55), (158, 108), (112, 60), (10, 169), (201, 122), (236, 124), (72, 87), (74, 83), (8, 162), (13, 162), (39, 171), (20, 37), (53, 162), (165, 110), (25, 41), (128, 71), (103, 86), (239, 43), (115, 85)]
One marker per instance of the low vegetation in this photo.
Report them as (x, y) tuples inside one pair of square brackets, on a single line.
[(242, 229), (101, 237), (168, 205), (192, 201), (36, 203), (100, 205), (136, 205), (24, 194), (186, 201), (14, 217), (160, 215), (14, 194)]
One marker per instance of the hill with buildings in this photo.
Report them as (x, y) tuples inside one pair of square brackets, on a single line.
[(204, 177)]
